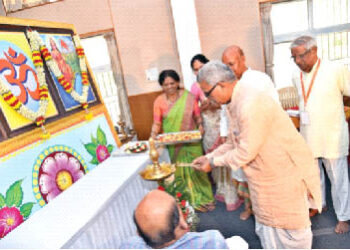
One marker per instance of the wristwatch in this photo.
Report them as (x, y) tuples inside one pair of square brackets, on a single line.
[(211, 162)]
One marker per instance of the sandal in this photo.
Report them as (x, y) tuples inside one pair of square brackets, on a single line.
[(201, 209)]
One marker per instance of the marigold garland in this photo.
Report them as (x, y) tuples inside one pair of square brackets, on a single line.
[(39, 116), (67, 86)]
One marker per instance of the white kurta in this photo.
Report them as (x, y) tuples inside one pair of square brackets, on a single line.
[(327, 132), (261, 81)]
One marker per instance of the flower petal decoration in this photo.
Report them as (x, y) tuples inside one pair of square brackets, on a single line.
[(47, 183), (59, 171), (102, 153), (98, 148), (10, 218), (56, 169), (12, 212), (48, 166)]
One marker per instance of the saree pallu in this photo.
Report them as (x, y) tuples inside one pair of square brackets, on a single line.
[(225, 189), (193, 185)]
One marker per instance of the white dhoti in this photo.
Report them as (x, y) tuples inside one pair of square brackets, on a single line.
[(277, 238), (337, 171)]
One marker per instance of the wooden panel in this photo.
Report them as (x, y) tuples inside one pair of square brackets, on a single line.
[(141, 107)]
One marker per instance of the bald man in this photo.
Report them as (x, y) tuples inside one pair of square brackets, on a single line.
[(161, 224), (233, 56)]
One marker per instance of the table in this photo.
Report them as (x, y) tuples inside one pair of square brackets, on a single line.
[(95, 212)]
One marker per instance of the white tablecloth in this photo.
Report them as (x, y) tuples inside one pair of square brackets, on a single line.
[(96, 212)]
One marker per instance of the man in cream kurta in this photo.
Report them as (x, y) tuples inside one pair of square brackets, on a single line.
[(233, 56), (276, 160), (322, 120)]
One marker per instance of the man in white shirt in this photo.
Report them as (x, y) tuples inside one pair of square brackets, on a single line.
[(233, 57), (321, 86)]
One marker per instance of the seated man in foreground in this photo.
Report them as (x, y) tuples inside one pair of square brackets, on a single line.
[(161, 224)]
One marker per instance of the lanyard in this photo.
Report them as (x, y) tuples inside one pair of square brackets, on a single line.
[(311, 83)]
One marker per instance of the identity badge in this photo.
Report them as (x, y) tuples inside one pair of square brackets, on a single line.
[(304, 117)]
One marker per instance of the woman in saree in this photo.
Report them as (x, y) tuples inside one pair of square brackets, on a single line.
[(177, 110), (62, 65)]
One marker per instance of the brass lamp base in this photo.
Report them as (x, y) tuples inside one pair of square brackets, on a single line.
[(155, 173)]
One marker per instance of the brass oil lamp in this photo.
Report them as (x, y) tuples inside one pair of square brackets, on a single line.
[(156, 171)]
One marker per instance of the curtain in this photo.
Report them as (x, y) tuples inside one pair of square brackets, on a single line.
[(118, 76), (265, 10)]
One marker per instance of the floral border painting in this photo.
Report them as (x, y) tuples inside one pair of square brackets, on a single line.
[(47, 169)]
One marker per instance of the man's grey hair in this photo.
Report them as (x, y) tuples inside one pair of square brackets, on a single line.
[(215, 71), (307, 41)]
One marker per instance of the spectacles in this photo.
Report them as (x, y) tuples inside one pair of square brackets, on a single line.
[(301, 56), (207, 93)]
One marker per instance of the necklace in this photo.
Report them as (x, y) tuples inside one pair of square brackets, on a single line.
[(175, 99)]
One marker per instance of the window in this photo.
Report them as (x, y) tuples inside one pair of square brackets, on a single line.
[(102, 53), (326, 20), (97, 54)]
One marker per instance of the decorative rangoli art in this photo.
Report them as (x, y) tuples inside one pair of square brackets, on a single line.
[(55, 170)]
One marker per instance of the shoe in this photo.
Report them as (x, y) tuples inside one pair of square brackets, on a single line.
[(201, 209)]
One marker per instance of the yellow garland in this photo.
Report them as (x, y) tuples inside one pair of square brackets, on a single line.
[(15, 104), (53, 66)]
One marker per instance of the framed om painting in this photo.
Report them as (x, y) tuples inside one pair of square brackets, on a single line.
[(43, 75), (18, 77)]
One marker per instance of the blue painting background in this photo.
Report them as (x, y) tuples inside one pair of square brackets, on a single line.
[(72, 60)]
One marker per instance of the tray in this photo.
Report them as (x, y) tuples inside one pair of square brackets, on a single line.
[(123, 150), (179, 137)]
